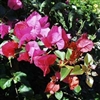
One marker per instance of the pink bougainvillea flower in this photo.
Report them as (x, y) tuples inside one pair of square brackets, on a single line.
[(44, 62), (52, 87), (9, 48), (56, 36), (33, 18), (23, 32), (40, 26), (43, 22), (33, 49), (4, 29), (25, 38), (23, 57), (15, 4), (84, 44), (21, 28), (36, 17)]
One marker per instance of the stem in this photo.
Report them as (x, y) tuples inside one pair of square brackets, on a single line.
[(10, 62), (17, 92)]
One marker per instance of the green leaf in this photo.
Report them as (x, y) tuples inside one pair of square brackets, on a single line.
[(77, 89), (14, 38), (60, 54), (70, 19), (40, 43), (58, 6), (59, 95), (5, 83), (64, 73), (18, 76), (25, 89), (89, 81), (61, 20), (43, 5), (68, 54), (92, 37), (4, 42), (65, 98), (77, 70), (88, 60)]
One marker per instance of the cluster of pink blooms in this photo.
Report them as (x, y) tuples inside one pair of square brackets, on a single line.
[(35, 29), (15, 4)]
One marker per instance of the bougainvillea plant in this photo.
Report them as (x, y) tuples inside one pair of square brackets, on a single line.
[(48, 47)]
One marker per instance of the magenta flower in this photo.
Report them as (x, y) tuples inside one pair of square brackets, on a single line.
[(84, 44), (23, 32), (40, 26), (56, 36), (33, 19), (9, 49), (4, 29), (21, 28), (15, 4), (44, 62), (33, 50), (33, 27), (23, 57)]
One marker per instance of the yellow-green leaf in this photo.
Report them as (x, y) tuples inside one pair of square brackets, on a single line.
[(77, 70), (89, 81), (64, 73), (88, 60), (68, 54), (60, 54)]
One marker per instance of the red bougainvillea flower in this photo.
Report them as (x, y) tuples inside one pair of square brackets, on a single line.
[(52, 87), (23, 57), (4, 29), (84, 44), (9, 48), (15, 4), (75, 52), (73, 81), (44, 62), (33, 50), (56, 36)]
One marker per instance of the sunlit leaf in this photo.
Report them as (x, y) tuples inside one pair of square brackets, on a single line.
[(25, 89), (5, 83), (94, 73), (89, 81), (59, 95), (77, 89), (64, 73), (60, 54), (88, 60), (77, 70), (18, 76), (68, 54)]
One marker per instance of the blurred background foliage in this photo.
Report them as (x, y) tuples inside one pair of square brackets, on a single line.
[(25, 82)]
